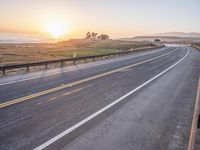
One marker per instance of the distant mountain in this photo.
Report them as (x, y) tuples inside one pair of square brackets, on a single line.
[(164, 39), (21, 38), (179, 34), (168, 37)]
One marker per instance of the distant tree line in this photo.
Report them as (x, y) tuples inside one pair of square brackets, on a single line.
[(93, 35)]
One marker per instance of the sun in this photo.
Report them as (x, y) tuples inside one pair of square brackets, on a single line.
[(56, 28)]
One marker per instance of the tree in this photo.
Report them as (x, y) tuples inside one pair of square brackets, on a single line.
[(94, 35), (157, 40), (103, 37), (88, 35)]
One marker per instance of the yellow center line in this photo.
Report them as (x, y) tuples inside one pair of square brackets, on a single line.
[(18, 100), (125, 70)]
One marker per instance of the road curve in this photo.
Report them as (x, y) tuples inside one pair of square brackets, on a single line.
[(132, 102)]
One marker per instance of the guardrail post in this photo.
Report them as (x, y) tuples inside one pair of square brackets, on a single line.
[(3, 71), (46, 66), (85, 60), (74, 62), (93, 58), (61, 63), (27, 68)]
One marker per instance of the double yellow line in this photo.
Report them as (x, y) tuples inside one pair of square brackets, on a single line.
[(18, 100)]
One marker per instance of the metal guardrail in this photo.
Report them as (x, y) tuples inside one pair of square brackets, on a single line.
[(195, 46), (3, 68)]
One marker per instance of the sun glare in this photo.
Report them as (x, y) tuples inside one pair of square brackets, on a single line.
[(56, 28)]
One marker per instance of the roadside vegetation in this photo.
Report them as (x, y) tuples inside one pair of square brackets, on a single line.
[(32, 52)]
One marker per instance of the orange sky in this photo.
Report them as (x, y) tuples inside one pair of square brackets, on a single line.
[(116, 18)]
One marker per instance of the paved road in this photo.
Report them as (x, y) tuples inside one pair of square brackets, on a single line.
[(141, 102)]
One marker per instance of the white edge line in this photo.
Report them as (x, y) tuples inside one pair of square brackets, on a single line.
[(50, 74), (62, 134)]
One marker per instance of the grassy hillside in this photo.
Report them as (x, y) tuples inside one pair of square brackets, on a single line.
[(31, 52)]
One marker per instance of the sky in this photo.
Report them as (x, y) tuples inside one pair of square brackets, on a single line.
[(117, 18)]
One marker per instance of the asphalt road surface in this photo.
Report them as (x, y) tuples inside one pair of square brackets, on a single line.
[(136, 102)]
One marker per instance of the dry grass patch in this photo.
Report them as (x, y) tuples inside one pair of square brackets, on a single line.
[(32, 52)]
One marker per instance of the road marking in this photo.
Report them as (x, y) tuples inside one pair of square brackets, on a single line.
[(39, 103), (195, 120), (77, 90), (52, 98), (18, 100), (125, 70), (69, 130), (55, 73)]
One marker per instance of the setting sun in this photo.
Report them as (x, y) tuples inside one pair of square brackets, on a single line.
[(56, 28)]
